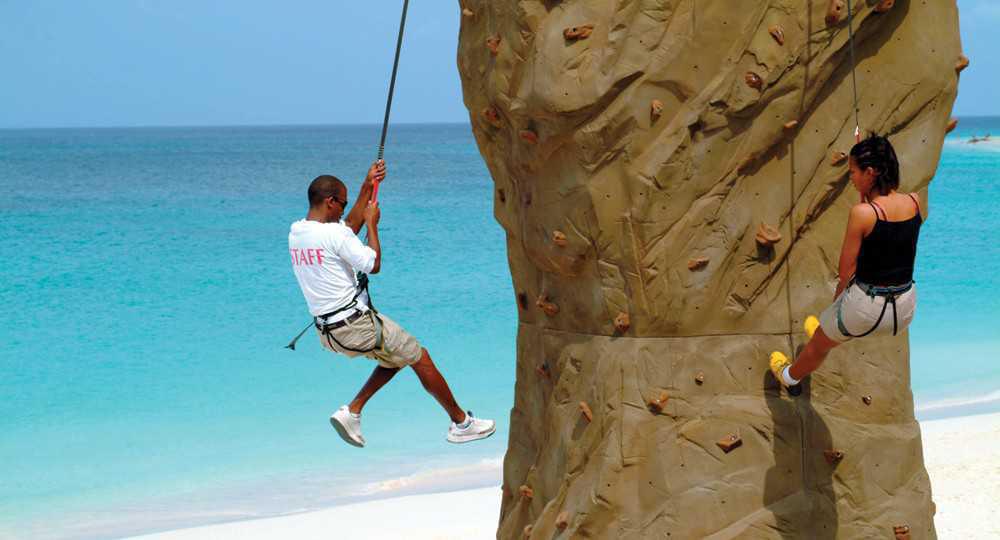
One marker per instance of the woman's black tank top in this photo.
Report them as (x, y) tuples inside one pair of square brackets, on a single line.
[(888, 252)]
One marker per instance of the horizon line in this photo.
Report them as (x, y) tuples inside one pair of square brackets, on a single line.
[(292, 125)]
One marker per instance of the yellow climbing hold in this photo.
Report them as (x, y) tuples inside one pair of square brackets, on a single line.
[(778, 363), (811, 324)]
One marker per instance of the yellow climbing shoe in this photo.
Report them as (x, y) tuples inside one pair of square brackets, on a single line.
[(811, 324), (778, 364)]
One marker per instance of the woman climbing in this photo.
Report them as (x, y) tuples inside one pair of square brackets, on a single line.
[(876, 293)]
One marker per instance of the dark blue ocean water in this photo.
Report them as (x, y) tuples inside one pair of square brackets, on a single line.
[(146, 295)]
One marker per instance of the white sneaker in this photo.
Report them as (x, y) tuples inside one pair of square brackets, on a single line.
[(348, 426), (478, 428)]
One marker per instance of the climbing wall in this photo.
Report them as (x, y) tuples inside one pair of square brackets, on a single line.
[(672, 179)]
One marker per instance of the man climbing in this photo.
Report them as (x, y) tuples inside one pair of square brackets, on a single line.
[(326, 253)]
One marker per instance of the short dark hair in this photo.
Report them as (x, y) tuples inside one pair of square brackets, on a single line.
[(324, 187), (876, 152)]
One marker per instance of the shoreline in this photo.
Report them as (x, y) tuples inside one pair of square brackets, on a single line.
[(958, 454)]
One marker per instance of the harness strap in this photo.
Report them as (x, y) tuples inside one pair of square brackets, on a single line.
[(890, 298)]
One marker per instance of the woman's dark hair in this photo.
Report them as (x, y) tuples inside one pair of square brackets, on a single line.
[(876, 152)]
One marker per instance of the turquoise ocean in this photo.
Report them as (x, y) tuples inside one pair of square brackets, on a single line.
[(146, 296)]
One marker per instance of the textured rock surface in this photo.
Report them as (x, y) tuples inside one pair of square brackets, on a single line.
[(635, 163)]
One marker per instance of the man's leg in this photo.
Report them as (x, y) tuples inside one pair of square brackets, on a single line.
[(812, 355), (377, 380), (436, 386)]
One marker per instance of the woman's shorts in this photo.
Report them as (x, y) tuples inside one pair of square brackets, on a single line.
[(399, 349), (858, 313)]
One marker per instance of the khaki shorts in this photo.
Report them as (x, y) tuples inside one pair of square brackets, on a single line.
[(859, 312), (399, 349)]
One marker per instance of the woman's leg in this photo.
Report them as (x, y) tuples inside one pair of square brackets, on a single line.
[(812, 355)]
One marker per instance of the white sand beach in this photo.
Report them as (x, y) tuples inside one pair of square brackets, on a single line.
[(960, 454)]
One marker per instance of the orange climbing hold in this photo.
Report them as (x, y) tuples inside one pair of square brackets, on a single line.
[(730, 443), (902, 532), (789, 126), (492, 116), (562, 520), (585, 410), (884, 5), (833, 457), (622, 322), (527, 530), (767, 235), (493, 44), (963, 62), (777, 33), (697, 263), (468, 12), (543, 370), (526, 491), (753, 80), (547, 307), (655, 109), (559, 238), (656, 405), (529, 136), (952, 124), (834, 11), (574, 33)]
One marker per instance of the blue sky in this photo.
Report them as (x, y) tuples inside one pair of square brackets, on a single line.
[(185, 62)]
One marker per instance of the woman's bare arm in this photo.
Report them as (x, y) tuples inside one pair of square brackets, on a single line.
[(859, 223)]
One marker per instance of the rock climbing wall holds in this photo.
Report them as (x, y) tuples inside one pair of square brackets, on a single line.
[(790, 126), (657, 404), (833, 457), (622, 322), (527, 530), (730, 443), (585, 410), (777, 33), (574, 33), (767, 235), (562, 520), (492, 116), (700, 378), (468, 12), (835, 11), (697, 263), (547, 307), (655, 109), (963, 62), (493, 44), (526, 491), (559, 238), (867, 400), (902, 532), (543, 370), (884, 5), (753, 80), (952, 124), (529, 135), (838, 158)]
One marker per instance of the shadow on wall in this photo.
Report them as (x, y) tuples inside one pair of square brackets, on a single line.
[(798, 489)]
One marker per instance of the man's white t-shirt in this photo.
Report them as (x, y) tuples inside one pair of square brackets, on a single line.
[(325, 258)]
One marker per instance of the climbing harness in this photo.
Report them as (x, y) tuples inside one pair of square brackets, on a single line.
[(392, 89), (327, 328), (854, 76), (889, 293)]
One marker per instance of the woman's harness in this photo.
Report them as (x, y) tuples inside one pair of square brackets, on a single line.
[(890, 293)]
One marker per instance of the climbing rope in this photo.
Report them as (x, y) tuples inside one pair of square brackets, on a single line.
[(392, 89), (854, 76)]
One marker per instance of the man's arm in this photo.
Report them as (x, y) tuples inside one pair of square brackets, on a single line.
[(356, 217), (371, 216)]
